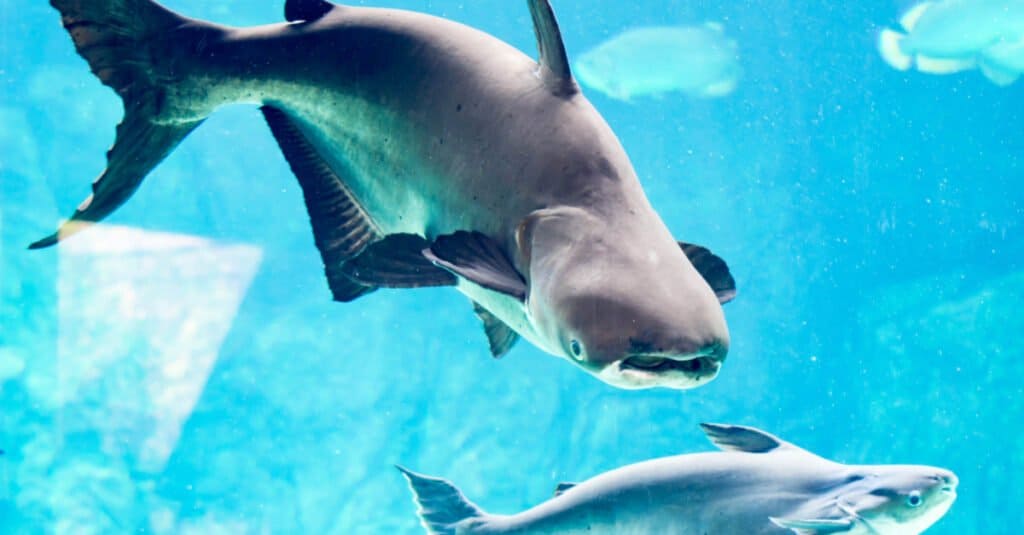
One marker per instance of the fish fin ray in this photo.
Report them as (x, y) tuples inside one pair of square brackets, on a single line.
[(341, 228), (714, 270), (396, 261), (891, 51), (742, 438), (719, 89), (816, 526), (909, 19), (306, 10), (943, 65), (115, 38), (998, 75), (500, 336), (479, 259), (564, 486), (553, 60), (441, 506)]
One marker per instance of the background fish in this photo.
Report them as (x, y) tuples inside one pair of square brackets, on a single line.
[(697, 60), (958, 35), (757, 485)]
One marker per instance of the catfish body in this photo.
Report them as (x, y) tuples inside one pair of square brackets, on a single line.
[(758, 485), (430, 154)]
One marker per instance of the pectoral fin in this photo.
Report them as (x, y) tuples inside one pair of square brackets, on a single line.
[(500, 336), (817, 526), (714, 270), (478, 259), (396, 261)]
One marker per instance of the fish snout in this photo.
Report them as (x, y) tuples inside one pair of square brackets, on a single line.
[(947, 482)]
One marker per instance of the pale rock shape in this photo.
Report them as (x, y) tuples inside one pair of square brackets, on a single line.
[(142, 317)]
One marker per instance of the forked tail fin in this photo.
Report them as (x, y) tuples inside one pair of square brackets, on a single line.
[(121, 39), (443, 509)]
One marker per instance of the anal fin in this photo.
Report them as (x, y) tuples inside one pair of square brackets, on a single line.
[(341, 228)]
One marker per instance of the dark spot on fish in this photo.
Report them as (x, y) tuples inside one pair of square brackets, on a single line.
[(440, 141), (458, 107)]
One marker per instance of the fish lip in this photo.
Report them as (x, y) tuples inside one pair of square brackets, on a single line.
[(673, 371), (654, 362)]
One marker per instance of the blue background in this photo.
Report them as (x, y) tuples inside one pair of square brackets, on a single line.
[(872, 219)]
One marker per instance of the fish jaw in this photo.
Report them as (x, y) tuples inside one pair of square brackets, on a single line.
[(678, 372)]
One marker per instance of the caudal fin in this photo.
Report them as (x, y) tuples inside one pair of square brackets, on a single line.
[(120, 40), (443, 510)]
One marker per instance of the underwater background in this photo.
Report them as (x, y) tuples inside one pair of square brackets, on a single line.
[(184, 369)]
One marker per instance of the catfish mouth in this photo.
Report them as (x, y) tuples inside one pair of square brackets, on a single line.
[(653, 363), (647, 370)]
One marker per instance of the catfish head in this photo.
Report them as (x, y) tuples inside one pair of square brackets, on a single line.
[(880, 500), (621, 299)]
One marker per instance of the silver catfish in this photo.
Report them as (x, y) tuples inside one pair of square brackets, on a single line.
[(429, 154), (758, 485)]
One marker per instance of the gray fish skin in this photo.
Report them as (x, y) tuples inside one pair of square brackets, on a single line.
[(436, 128), (756, 487)]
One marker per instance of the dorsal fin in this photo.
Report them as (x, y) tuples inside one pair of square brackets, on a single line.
[(742, 438), (562, 487), (554, 64), (306, 10), (909, 19)]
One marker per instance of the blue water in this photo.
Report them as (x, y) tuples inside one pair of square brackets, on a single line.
[(207, 384)]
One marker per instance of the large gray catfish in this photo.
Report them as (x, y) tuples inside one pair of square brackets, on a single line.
[(429, 154), (759, 485)]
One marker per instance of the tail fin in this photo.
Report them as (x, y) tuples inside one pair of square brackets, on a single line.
[(442, 508), (117, 38)]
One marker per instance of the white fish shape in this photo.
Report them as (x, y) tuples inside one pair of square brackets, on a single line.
[(757, 485), (697, 60), (958, 35)]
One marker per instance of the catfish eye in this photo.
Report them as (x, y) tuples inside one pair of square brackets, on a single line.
[(914, 499), (575, 347)]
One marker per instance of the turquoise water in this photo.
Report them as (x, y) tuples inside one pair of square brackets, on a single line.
[(200, 380)]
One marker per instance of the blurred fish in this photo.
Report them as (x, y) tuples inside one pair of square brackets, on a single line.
[(429, 154), (758, 485), (957, 35), (696, 60)]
